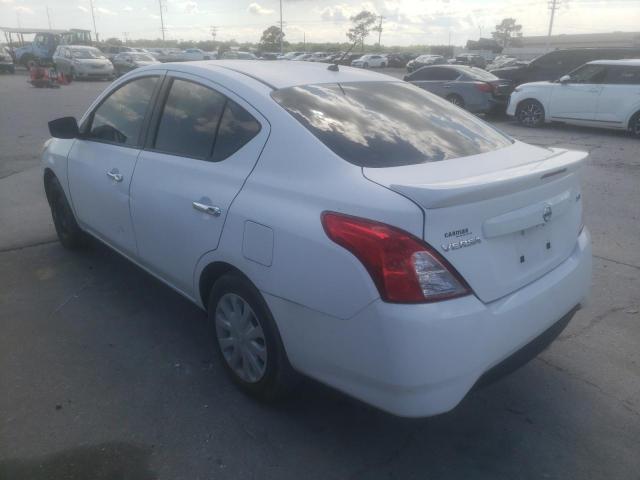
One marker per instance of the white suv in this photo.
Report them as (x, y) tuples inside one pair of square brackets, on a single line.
[(604, 93), (329, 227)]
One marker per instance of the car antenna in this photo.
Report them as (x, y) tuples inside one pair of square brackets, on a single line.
[(334, 66)]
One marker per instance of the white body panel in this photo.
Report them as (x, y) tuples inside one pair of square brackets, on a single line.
[(411, 360)]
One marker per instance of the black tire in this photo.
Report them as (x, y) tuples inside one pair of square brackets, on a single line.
[(365, 65), (278, 377), (72, 74), (67, 229), (530, 113), (634, 125), (384, 65), (456, 99)]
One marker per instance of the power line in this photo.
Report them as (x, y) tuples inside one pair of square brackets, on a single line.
[(281, 31), (162, 29), (93, 17), (553, 6)]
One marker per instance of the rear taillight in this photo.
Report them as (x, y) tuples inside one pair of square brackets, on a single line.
[(403, 267), (484, 87)]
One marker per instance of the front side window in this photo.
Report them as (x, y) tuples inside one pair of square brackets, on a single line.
[(388, 124), (591, 73), (119, 118), (189, 120)]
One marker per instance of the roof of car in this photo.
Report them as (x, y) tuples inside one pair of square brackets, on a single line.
[(629, 62), (287, 74)]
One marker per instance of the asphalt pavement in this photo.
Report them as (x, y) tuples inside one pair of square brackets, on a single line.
[(105, 373)]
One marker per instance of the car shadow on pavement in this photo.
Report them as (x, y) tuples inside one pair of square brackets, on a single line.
[(106, 461)]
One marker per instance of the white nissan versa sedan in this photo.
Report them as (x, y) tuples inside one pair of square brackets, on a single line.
[(337, 223)]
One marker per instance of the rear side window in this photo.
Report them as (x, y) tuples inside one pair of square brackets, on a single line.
[(237, 128), (119, 118), (623, 75), (388, 124), (435, 73), (189, 120), (202, 123)]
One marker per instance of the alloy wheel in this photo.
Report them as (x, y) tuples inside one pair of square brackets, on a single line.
[(241, 338), (635, 128), (531, 114), (457, 101)]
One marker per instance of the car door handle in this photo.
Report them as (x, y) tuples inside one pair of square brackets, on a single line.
[(114, 175), (209, 209)]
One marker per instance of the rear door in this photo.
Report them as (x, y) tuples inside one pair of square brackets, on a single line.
[(101, 163), (436, 80), (577, 99), (620, 95), (202, 145)]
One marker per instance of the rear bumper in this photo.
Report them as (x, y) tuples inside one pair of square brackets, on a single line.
[(421, 360)]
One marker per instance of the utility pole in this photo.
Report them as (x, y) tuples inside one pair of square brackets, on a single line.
[(214, 32), (48, 17), (126, 37), (161, 19), (281, 31), (380, 30), (304, 41), (93, 17), (553, 6)]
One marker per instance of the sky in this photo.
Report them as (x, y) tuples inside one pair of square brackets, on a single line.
[(405, 22)]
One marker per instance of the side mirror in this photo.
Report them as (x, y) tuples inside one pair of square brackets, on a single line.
[(65, 128), (564, 79)]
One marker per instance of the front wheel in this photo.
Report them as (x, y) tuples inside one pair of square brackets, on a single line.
[(530, 113), (634, 125), (67, 229), (247, 339)]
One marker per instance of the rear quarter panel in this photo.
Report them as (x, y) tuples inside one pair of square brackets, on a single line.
[(290, 187)]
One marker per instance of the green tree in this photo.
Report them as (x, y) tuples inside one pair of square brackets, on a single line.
[(507, 31), (270, 40), (362, 26)]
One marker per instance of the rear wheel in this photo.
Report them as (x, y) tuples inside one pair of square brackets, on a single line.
[(530, 113), (247, 339), (67, 229), (456, 100), (634, 125)]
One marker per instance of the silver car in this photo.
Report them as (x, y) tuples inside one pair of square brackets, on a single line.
[(470, 88), (6, 60), (126, 61), (79, 61)]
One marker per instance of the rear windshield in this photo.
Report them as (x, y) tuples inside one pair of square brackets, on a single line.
[(388, 124)]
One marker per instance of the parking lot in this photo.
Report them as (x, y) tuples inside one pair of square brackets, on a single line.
[(105, 373)]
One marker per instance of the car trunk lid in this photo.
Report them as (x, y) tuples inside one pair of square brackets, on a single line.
[(503, 219)]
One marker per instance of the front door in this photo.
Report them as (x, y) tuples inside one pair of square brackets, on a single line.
[(101, 163), (206, 143), (577, 99)]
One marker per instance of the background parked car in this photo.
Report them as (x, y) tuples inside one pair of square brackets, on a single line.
[(471, 59), (347, 59), (289, 55), (604, 93), (127, 61), (6, 60), (302, 57), (396, 60), (423, 61), (471, 88), (79, 61), (553, 65), (196, 54), (110, 51), (238, 55), (370, 61)]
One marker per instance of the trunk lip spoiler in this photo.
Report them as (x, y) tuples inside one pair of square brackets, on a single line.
[(498, 183)]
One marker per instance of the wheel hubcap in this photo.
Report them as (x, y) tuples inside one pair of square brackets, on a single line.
[(241, 338), (531, 114), (455, 100)]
